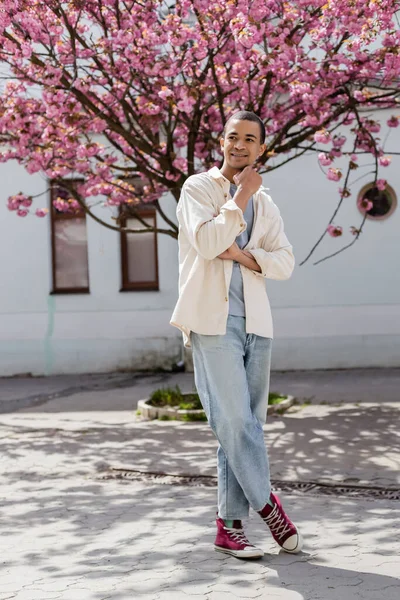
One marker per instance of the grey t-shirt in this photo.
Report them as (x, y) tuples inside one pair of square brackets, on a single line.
[(236, 298)]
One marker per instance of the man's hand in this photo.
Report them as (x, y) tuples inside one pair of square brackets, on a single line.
[(244, 257), (231, 253), (248, 180)]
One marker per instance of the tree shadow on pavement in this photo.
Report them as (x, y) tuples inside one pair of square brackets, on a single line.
[(346, 444), (123, 540)]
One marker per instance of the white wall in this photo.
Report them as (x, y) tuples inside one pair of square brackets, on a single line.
[(342, 313), (104, 330)]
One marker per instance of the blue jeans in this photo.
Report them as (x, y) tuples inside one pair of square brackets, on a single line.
[(232, 379)]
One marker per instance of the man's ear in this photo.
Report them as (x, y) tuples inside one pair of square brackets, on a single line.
[(221, 142), (263, 148)]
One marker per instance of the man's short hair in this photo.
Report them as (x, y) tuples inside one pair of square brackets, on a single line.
[(246, 115)]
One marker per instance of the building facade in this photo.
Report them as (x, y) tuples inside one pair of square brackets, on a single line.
[(78, 297)]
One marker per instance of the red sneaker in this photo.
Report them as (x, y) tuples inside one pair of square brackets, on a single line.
[(232, 540), (284, 532)]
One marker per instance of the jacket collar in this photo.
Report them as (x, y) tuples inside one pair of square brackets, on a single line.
[(219, 179), (215, 173)]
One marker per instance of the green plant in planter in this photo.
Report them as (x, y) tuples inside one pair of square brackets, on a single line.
[(166, 397), (192, 417), (190, 402), (276, 398), (173, 397)]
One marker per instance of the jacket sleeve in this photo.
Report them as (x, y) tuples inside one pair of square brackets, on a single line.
[(275, 255), (209, 233)]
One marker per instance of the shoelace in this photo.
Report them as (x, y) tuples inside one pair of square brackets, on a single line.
[(238, 535), (276, 522)]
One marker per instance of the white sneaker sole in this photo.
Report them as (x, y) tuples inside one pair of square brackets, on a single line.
[(298, 546), (256, 553)]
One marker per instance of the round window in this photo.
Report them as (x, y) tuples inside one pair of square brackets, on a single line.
[(383, 202)]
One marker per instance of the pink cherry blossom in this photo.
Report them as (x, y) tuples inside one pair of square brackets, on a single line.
[(393, 122), (359, 96), (165, 93), (339, 141), (172, 176), (180, 163), (385, 161), (186, 105), (354, 230), (381, 184), (114, 91), (334, 230), (14, 203), (364, 204), (324, 159), (372, 126), (334, 174), (41, 212), (349, 119), (322, 137)]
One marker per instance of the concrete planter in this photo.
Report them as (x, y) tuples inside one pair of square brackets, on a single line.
[(174, 412), (282, 406)]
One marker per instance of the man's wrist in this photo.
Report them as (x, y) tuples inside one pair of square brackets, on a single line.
[(247, 253), (242, 198), (236, 254), (248, 260), (241, 189)]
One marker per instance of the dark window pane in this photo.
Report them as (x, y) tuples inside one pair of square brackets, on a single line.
[(382, 202), (71, 257), (141, 256)]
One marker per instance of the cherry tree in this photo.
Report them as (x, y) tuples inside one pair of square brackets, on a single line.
[(132, 96)]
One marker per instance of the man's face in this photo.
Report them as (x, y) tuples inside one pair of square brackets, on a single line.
[(241, 145)]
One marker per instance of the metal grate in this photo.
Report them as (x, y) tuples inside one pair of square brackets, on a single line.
[(303, 487)]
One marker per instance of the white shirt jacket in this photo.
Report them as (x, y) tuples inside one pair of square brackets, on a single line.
[(209, 222)]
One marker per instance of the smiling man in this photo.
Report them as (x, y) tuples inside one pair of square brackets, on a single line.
[(231, 238)]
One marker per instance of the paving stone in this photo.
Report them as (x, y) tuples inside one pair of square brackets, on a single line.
[(37, 594), (69, 535)]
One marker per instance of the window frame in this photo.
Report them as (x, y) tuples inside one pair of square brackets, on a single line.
[(391, 193), (54, 216), (143, 212)]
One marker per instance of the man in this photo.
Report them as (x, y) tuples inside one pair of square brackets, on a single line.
[(231, 238)]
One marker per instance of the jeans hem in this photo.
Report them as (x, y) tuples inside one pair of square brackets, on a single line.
[(265, 503)]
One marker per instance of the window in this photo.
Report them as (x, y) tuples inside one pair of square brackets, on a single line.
[(384, 202), (69, 245), (139, 250)]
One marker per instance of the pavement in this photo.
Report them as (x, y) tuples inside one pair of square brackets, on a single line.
[(97, 504)]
